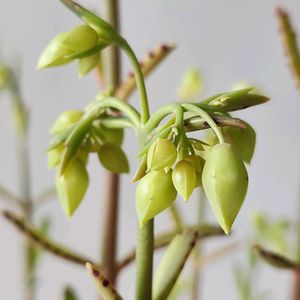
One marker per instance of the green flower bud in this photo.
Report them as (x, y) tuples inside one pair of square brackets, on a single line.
[(242, 139), (55, 54), (198, 163), (66, 120), (72, 186), (81, 38), (113, 158), (161, 154), (184, 178), (54, 156), (155, 192), (225, 183), (87, 64)]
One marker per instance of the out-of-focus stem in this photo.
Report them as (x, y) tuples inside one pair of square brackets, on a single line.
[(196, 281), (111, 78)]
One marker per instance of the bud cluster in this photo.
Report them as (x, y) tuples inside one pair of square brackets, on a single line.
[(72, 184)]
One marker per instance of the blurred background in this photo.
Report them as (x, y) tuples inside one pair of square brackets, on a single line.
[(229, 41)]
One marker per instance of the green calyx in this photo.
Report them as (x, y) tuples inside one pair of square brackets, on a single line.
[(225, 182), (66, 120), (155, 192)]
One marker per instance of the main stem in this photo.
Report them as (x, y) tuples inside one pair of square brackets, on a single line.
[(110, 225)]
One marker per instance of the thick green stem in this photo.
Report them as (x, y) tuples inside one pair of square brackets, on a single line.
[(110, 233), (144, 260)]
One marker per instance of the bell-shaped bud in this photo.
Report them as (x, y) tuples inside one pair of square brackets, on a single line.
[(198, 163), (155, 192), (72, 185), (81, 38), (55, 54), (243, 140), (113, 158), (66, 120), (225, 182), (87, 64), (184, 178), (54, 156), (161, 154)]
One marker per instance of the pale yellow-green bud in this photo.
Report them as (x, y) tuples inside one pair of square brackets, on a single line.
[(161, 154), (184, 178), (72, 185), (198, 163), (55, 54), (225, 182), (81, 38), (66, 120), (155, 192)]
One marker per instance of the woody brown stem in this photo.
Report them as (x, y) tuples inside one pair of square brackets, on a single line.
[(110, 226)]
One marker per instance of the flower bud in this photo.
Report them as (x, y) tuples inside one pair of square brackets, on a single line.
[(87, 64), (225, 183), (141, 170), (81, 38), (184, 178), (55, 53), (72, 185), (161, 154), (155, 192), (113, 158), (109, 135), (66, 120), (198, 163)]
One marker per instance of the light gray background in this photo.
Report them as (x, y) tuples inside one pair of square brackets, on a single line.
[(228, 41)]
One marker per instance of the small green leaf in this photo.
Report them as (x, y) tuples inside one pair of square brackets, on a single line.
[(54, 156), (225, 182), (72, 185), (172, 263), (141, 170), (155, 192), (87, 64), (113, 158)]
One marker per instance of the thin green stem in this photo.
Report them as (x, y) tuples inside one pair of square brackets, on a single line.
[(206, 117), (145, 113), (144, 261)]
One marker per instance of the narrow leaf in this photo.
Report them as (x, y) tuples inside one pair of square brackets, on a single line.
[(105, 289), (274, 259), (289, 41), (172, 263)]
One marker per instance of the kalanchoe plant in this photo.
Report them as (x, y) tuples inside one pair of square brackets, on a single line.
[(171, 162)]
